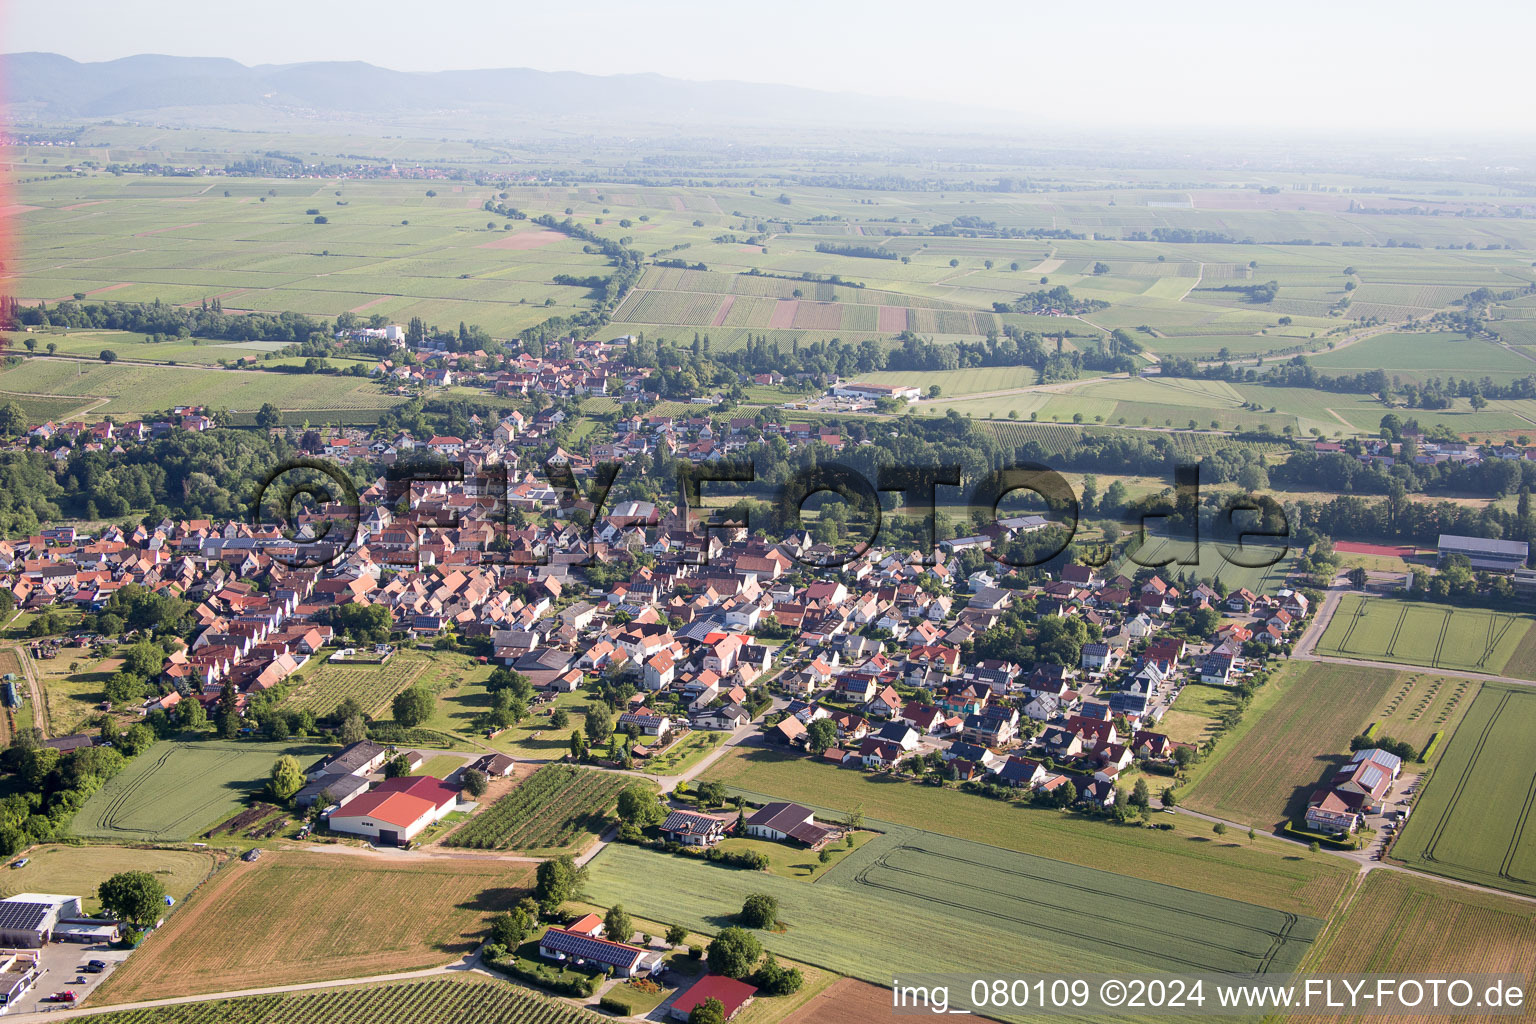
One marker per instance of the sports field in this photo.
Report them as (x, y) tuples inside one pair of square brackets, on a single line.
[(356, 916), (1433, 635), (1473, 819), (450, 999), (1400, 924), (1291, 738), (1027, 912), (81, 869), (1266, 871), (175, 790)]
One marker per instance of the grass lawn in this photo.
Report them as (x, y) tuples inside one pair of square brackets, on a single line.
[(1433, 635), (80, 870), (441, 766), (1471, 822), (360, 917), (72, 688), (685, 753), (1267, 872), (788, 861), (16, 629), (460, 707), (640, 1002), (1290, 745)]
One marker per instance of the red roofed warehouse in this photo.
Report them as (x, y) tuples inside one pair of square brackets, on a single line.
[(397, 810), (733, 995)]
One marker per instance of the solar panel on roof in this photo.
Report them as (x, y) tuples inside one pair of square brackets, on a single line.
[(22, 916)]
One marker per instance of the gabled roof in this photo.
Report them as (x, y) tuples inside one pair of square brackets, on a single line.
[(584, 947), (399, 809)]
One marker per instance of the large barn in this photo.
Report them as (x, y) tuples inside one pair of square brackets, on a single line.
[(396, 810)]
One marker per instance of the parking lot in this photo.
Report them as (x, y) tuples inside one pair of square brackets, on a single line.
[(61, 963), (1390, 821)]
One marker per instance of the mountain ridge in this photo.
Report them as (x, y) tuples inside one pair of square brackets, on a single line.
[(52, 85)]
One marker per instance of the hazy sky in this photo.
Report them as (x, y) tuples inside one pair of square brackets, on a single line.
[(1336, 65)]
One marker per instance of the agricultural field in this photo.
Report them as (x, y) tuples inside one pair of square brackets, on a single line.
[(388, 248), (175, 789), (1214, 561), (1422, 357), (1289, 743), (1472, 821), (1028, 912), (237, 928), (1265, 872), (558, 807), (1432, 635), (1419, 705), (131, 390), (81, 870), (321, 685), (450, 999), (1399, 923), (960, 382)]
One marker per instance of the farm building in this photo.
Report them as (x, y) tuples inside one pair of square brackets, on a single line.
[(1492, 555), (397, 810), (871, 392), (732, 994), (570, 947), (29, 919), (337, 789), (360, 758), (780, 820)]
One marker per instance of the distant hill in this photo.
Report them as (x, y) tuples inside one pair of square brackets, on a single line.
[(50, 85)]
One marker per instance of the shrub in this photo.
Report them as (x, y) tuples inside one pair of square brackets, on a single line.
[(614, 1005)]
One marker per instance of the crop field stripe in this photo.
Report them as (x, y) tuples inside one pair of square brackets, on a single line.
[(114, 808), (1519, 833), (1353, 622), (1276, 939), (1445, 625), (1494, 641), (1462, 780)]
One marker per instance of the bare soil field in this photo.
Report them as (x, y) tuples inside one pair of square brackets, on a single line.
[(845, 1001), (354, 917)]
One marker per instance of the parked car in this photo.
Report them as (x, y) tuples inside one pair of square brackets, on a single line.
[(96, 966)]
